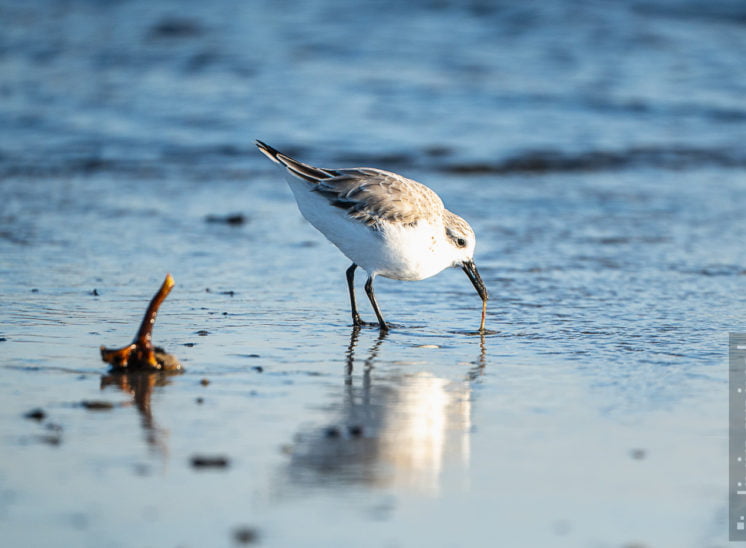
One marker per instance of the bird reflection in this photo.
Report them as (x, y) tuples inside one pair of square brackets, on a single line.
[(140, 384), (390, 429)]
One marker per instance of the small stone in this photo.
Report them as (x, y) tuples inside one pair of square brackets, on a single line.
[(234, 219), (246, 535), (37, 414), (332, 432), (97, 405), (210, 461)]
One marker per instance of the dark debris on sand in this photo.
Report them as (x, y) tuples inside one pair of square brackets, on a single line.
[(97, 405), (37, 414), (210, 461), (232, 219), (246, 535)]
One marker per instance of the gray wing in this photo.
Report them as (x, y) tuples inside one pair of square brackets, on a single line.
[(367, 194), (373, 195)]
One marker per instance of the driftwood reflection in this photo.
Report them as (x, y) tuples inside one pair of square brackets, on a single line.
[(140, 385), (389, 427)]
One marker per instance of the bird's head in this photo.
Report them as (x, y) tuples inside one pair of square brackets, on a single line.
[(461, 239)]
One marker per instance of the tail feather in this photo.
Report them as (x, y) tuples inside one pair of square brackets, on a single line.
[(299, 169), (268, 151)]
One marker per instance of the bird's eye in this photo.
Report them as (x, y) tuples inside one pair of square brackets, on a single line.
[(461, 242)]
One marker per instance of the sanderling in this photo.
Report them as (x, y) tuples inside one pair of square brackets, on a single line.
[(386, 224)]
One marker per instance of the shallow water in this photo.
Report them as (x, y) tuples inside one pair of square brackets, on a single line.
[(596, 150)]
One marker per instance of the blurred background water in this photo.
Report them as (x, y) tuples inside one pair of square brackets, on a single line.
[(596, 148)]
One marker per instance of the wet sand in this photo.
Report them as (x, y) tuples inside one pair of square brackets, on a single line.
[(610, 235)]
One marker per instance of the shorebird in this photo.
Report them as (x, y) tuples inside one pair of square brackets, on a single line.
[(386, 224)]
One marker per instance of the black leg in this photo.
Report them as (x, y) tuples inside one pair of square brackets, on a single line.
[(372, 297), (351, 286)]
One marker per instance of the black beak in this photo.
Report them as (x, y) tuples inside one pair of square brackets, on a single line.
[(471, 270)]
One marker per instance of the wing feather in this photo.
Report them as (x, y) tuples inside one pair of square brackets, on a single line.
[(372, 196)]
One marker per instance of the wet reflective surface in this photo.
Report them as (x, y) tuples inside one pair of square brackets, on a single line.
[(595, 149), (396, 431)]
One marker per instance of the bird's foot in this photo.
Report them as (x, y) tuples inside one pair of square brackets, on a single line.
[(357, 322)]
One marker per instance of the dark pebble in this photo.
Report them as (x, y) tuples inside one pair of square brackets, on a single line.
[(202, 332), (190, 344), (95, 293), (34, 290), (97, 405), (230, 293), (204, 382), (332, 432), (638, 454), (246, 535), (200, 401), (37, 414), (175, 27), (234, 219), (355, 430), (204, 461), (3, 339), (258, 369)]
